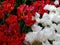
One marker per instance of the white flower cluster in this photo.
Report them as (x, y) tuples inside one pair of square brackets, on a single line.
[(47, 28)]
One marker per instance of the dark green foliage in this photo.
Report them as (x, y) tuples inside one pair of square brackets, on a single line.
[(28, 2), (2, 21), (1, 0), (32, 0), (24, 28)]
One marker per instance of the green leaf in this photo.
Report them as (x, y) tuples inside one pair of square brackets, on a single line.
[(2, 21), (1, 0), (18, 2), (24, 1), (24, 28), (32, 0)]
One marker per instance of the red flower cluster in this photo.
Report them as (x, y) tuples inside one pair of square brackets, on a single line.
[(1, 14), (7, 6), (10, 29), (11, 1), (12, 19), (25, 13), (11, 35)]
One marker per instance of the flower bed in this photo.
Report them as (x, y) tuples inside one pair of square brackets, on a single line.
[(30, 22)]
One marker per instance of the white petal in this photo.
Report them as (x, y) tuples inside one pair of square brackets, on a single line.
[(46, 43), (46, 22), (58, 10), (30, 37), (50, 7), (45, 34), (56, 43), (35, 28), (41, 37), (56, 19), (56, 2), (58, 28), (37, 17), (57, 36)]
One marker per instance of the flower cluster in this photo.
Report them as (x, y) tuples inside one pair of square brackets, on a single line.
[(46, 29), (22, 23)]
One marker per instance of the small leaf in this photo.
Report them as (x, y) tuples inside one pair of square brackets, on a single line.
[(2, 21), (24, 1), (18, 2), (32, 0), (24, 28), (1, 0)]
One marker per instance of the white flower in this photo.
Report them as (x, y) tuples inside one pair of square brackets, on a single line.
[(37, 17), (35, 28), (51, 15), (45, 34), (58, 10), (45, 15), (58, 28), (56, 2), (30, 37), (56, 19), (41, 37), (45, 22), (37, 14), (50, 7), (49, 33), (53, 26), (46, 43), (56, 42), (57, 37)]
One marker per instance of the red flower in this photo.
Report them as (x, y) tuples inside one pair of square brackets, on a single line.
[(3, 38), (11, 19), (1, 14), (14, 28), (3, 28), (20, 9), (42, 11), (48, 1), (8, 7), (28, 20), (39, 5), (16, 40), (11, 1), (29, 8)]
